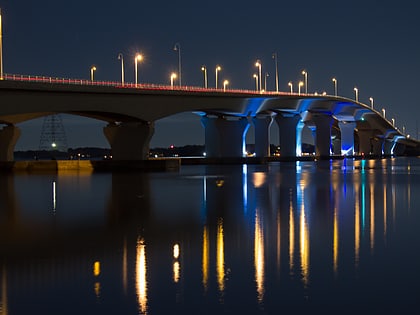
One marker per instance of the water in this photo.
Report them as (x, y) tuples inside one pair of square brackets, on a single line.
[(285, 238)]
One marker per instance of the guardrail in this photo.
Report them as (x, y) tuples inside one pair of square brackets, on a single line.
[(147, 86)]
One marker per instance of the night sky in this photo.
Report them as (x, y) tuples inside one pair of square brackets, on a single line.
[(371, 45)]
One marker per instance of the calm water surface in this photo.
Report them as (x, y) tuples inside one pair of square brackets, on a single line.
[(283, 238)]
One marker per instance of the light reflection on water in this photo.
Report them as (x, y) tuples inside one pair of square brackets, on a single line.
[(252, 239)]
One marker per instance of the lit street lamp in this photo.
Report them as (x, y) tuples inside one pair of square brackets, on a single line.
[(204, 69), (255, 76), (137, 58), (356, 94), (393, 122), (173, 77), (291, 87), (120, 57), (277, 71), (371, 102), (305, 74), (335, 86), (265, 80), (258, 64), (225, 83), (218, 68), (383, 112), (177, 48), (300, 85), (92, 71), (1, 49)]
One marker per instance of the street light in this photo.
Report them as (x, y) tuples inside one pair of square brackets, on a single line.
[(92, 71), (393, 122), (371, 102), (177, 48), (265, 80), (258, 64), (225, 83), (277, 71), (300, 85), (204, 69), (255, 76), (291, 87), (120, 57), (356, 94), (335, 86), (173, 77), (305, 74), (137, 58), (383, 112), (1, 49), (218, 68)]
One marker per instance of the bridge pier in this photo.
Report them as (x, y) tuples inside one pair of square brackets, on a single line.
[(225, 137), (347, 137), (9, 135), (262, 134), (323, 125), (129, 141), (371, 144), (288, 135)]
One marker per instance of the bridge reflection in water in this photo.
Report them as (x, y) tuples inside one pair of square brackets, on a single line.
[(240, 238)]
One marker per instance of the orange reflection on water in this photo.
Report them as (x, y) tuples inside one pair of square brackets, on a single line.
[(176, 271), (372, 216), (205, 259), (335, 241), (259, 256), (220, 267), (291, 237), (141, 281), (356, 225), (304, 247)]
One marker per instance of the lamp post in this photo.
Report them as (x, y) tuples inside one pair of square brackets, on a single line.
[(291, 87), (265, 80), (277, 71), (173, 77), (204, 69), (305, 74), (356, 94), (300, 85), (92, 72), (120, 57), (393, 122), (258, 64), (225, 83), (335, 86), (1, 49), (177, 48), (255, 76), (383, 112), (137, 58), (218, 68), (371, 102)]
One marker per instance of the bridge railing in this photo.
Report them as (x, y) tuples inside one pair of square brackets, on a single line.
[(116, 84)]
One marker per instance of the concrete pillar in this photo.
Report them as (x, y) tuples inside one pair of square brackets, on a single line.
[(347, 137), (388, 147), (262, 135), (323, 123), (129, 141), (369, 144), (288, 135), (9, 135), (225, 137)]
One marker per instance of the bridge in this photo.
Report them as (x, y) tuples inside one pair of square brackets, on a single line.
[(340, 126)]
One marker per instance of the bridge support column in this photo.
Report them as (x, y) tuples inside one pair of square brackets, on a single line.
[(129, 141), (225, 137), (369, 144), (9, 135), (323, 125), (388, 147), (288, 135), (262, 135), (347, 137)]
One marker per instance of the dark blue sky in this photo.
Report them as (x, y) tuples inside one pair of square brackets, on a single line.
[(373, 45)]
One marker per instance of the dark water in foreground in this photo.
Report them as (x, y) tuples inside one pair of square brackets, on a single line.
[(284, 238)]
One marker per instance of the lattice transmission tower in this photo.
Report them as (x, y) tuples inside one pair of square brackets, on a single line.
[(53, 135)]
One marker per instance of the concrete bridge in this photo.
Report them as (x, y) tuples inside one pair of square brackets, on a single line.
[(340, 126)]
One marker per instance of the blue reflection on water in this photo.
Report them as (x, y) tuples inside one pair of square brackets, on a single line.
[(337, 236)]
